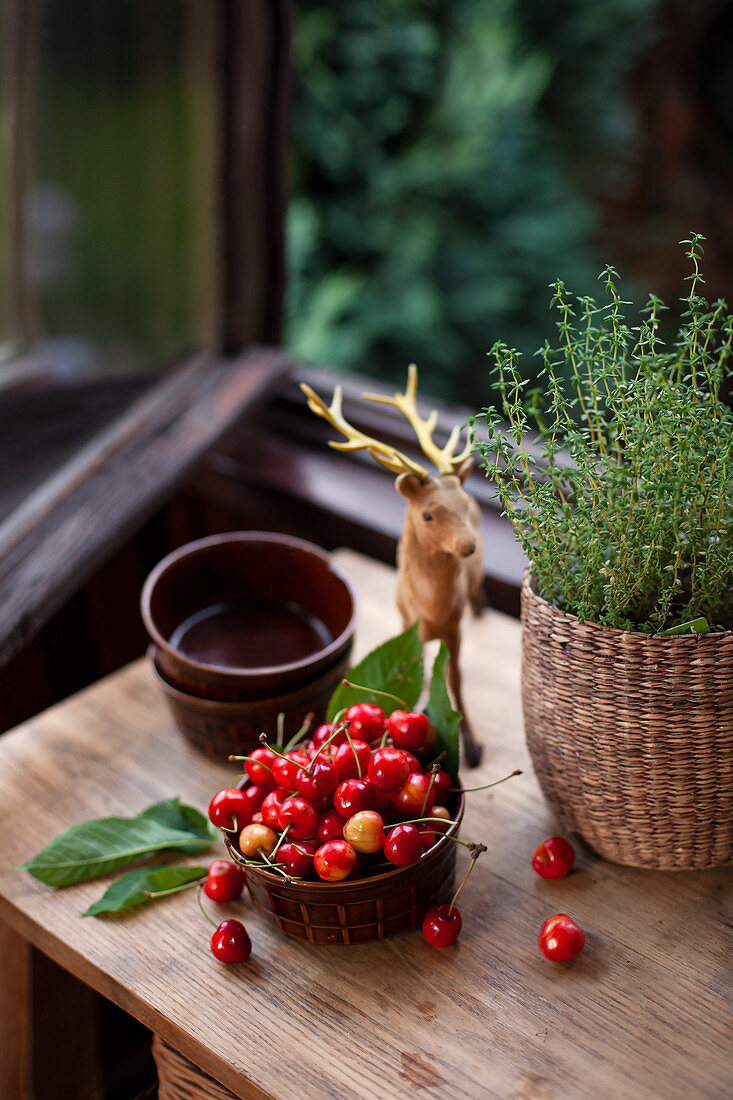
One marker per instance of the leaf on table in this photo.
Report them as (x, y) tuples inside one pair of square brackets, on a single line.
[(439, 710), (177, 815), (96, 847), (396, 667), (134, 888)]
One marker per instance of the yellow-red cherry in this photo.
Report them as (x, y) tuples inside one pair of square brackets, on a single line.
[(560, 938), (553, 858), (335, 860), (365, 832), (255, 837), (230, 942)]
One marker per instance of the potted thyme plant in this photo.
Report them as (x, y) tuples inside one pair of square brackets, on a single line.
[(619, 485)]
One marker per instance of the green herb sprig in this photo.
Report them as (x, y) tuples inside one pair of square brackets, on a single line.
[(619, 484)]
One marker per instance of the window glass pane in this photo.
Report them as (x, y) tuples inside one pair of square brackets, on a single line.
[(116, 193)]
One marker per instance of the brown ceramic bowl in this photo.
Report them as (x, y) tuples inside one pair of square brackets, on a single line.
[(363, 909), (221, 729), (300, 615)]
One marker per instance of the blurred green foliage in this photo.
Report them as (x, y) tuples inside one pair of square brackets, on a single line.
[(449, 161)]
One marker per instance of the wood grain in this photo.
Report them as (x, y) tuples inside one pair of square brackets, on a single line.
[(645, 1012), (52, 542)]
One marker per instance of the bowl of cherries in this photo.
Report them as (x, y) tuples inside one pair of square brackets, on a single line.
[(349, 834)]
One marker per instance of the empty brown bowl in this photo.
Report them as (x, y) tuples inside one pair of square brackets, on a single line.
[(245, 616), (363, 909), (220, 729)]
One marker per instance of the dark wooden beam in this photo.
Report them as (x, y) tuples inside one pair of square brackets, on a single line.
[(52, 543)]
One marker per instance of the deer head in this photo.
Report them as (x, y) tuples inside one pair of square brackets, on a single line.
[(440, 513)]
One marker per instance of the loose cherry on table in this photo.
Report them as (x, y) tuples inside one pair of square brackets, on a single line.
[(553, 858), (442, 925), (560, 938), (224, 881), (230, 942)]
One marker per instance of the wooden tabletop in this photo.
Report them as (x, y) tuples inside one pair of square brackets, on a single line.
[(646, 1011)]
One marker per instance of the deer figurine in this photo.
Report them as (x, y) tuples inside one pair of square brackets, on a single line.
[(439, 560)]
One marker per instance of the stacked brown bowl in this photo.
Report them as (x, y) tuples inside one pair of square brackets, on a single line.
[(247, 626)]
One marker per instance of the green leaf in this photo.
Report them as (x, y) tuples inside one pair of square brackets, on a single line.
[(396, 667), (694, 626), (440, 712), (94, 848), (135, 887), (177, 815)]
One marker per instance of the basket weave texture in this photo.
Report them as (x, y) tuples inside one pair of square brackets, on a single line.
[(631, 736), (179, 1079)]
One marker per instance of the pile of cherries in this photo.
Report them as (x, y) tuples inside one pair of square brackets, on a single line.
[(354, 795)]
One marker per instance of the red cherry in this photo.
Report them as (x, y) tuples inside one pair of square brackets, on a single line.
[(428, 746), (322, 734), (230, 942), (285, 769), (442, 787), (345, 760), (255, 795), (334, 860), (388, 769), (407, 730), (353, 795), (224, 881), (442, 925), (330, 826), (297, 858), (228, 804), (271, 806), (366, 721), (414, 798), (319, 783), (365, 832), (259, 767), (412, 762), (301, 815), (554, 857), (560, 938), (254, 837), (403, 845)]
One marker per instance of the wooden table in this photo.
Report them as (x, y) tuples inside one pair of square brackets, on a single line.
[(645, 1011)]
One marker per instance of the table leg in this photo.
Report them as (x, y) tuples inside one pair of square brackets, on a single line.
[(16, 1022)]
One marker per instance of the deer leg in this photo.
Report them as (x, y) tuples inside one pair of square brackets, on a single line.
[(471, 748)]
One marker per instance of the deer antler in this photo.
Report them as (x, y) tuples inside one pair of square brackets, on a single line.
[(385, 454), (443, 457)]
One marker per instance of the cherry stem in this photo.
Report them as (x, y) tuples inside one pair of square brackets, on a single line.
[(280, 728), (254, 760), (383, 739), (301, 733), (152, 894), (470, 790), (273, 866), (198, 896), (356, 755), (376, 691), (276, 752), (281, 838), (234, 828), (336, 729), (433, 772), (476, 850)]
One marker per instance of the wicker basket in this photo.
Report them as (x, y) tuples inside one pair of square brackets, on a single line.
[(363, 909), (631, 736), (179, 1079)]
